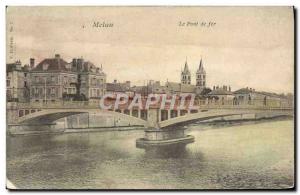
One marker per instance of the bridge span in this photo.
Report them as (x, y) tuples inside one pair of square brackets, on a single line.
[(29, 114)]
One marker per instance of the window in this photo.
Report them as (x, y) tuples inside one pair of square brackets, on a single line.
[(52, 79), (36, 79), (65, 80), (94, 81), (41, 91), (48, 79), (45, 66), (7, 83), (52, 90), (8, 93)]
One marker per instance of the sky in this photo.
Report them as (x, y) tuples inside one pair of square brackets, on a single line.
[(246, 46)]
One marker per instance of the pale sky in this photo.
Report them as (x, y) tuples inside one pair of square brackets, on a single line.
[(248, 46)]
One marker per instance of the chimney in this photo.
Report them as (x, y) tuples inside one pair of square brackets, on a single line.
[(80, 64), (229, 88), (74, 63), (115, 81), (57, 57), (128, 83), (31, 63), (214, 87)]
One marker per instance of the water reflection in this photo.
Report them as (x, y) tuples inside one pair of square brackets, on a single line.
[(173, 151)]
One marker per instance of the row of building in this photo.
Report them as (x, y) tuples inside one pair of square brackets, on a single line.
[(54, 79)]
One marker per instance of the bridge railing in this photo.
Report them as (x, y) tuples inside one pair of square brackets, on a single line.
[(201, 105)]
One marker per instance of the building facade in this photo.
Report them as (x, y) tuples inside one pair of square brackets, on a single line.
[(17, 86), (221, 95), (54, 79), (249, 96)]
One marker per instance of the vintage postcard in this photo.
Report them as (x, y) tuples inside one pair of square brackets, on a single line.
[(157, 98)]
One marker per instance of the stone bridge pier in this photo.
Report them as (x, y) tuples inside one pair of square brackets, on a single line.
[(155, 136)]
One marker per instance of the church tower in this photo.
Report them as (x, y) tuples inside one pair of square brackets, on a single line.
[(201, 77), (186, 75)]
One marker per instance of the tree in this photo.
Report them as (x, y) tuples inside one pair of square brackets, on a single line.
[(205, 92)]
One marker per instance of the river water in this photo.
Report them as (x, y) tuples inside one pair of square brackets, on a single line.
[(223, 156)]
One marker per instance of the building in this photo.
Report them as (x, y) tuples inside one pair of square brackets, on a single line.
[(118, 87), (179, 88), (200, 78), (250, 96), (54, 79), (92, 78), (186, 75), (221, 95), (156, 88), (17, 87)]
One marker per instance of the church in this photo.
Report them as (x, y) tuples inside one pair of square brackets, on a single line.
[(185, 86), (200, 76)]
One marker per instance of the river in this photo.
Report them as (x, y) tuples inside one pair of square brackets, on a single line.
[(224, 156)]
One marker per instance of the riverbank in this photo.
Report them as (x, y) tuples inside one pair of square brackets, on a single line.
[(74, 130)]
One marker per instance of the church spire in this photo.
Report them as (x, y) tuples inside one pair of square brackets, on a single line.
[(186, 74), (186, 68), (200, 65)]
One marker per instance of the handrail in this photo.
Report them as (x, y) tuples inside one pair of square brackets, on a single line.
[(95, 104)]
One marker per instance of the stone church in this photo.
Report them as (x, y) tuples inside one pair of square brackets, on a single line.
[(200, 78)]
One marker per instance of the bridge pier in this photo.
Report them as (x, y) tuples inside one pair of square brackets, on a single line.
[(155, 136), (167, 137)]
